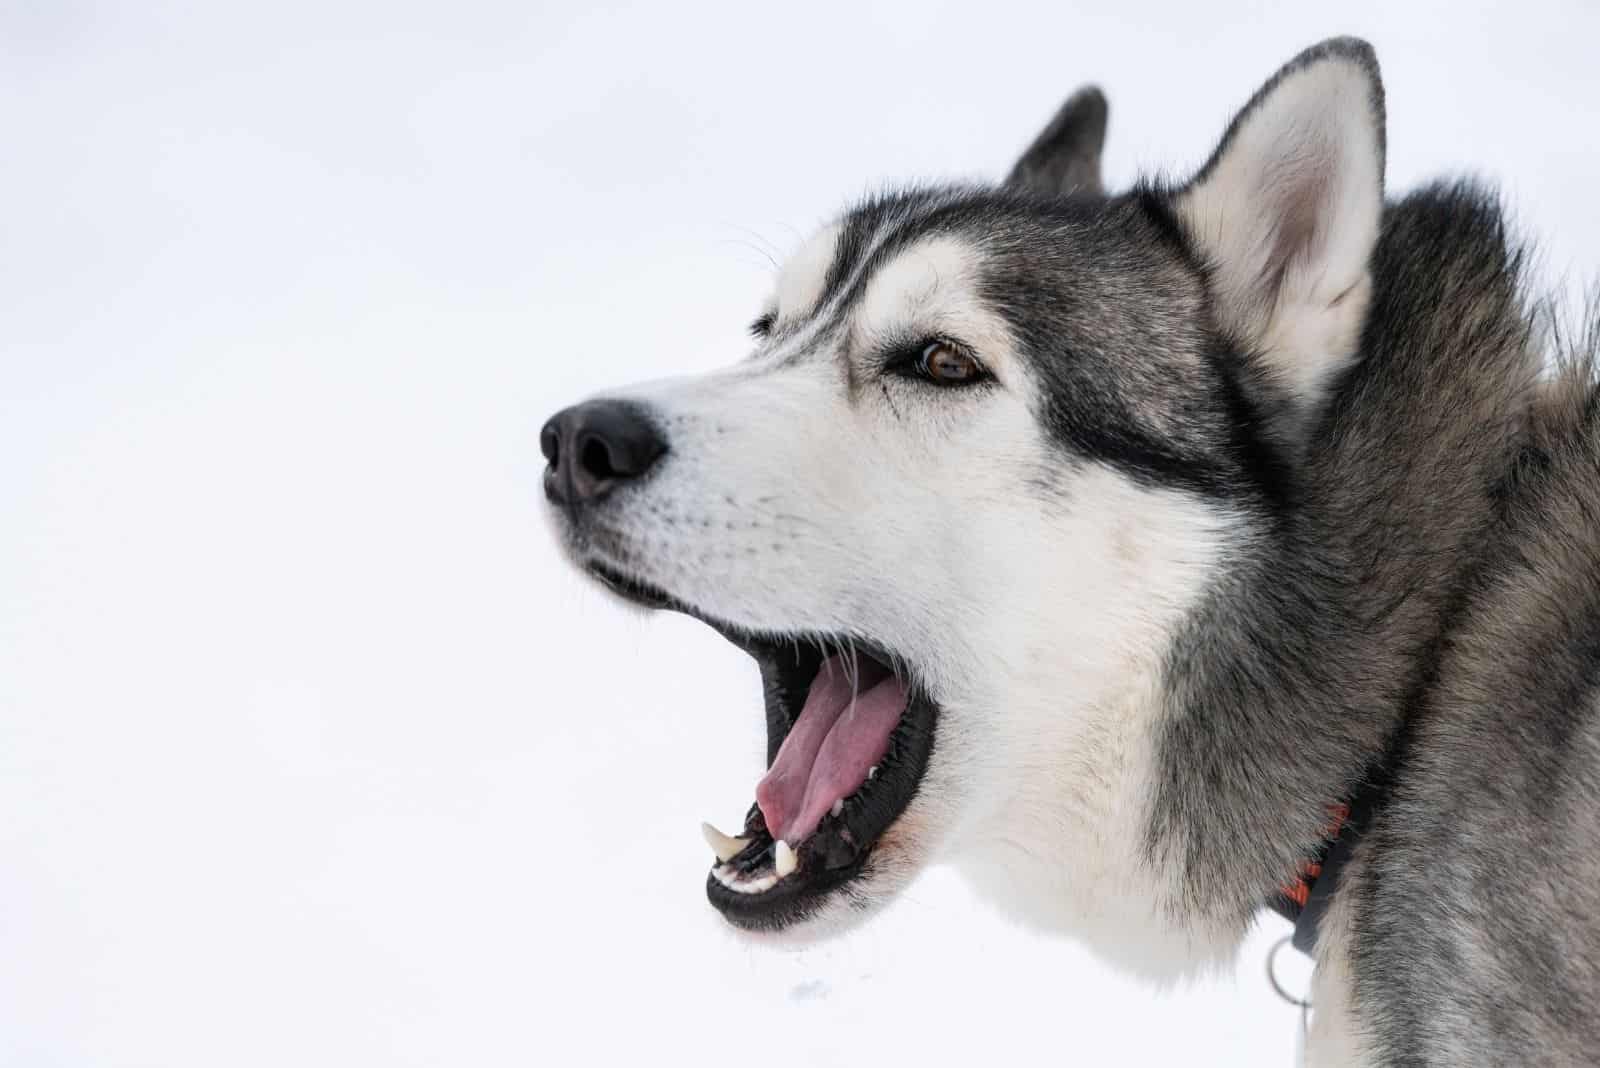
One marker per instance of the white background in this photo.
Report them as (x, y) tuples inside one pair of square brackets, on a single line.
[(311, 752)]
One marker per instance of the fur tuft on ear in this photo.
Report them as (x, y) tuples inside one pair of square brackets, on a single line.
[(1065, 157), (1286, 214)]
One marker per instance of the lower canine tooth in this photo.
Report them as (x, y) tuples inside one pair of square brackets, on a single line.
[(724, 847), (784, 861), (838, 807), (872, 772)]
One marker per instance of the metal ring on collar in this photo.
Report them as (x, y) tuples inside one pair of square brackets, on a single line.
[(1272, 974)]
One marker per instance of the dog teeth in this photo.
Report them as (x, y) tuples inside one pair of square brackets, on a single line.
[(731, 880), (838, 807), (784, 860), (724, 847), (872, 772), (755, 886)]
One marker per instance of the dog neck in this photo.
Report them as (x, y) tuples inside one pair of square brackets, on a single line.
[(1288, 686), (1178, 795)]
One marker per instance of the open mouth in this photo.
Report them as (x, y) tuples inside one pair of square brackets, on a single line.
[(849, 732)]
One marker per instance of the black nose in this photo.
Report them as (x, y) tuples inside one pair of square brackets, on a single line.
[(595, 447)]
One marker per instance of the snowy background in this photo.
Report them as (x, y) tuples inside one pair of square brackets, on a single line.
[(311, 751)]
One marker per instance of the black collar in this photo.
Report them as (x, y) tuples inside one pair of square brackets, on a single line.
[(1305, 901)]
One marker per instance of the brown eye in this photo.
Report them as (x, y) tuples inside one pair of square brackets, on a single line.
[(948, 366)]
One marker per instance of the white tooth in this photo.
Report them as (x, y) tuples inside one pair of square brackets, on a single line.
[(724, 847), (872, 772), (784, 860), (756, 886), (838, 807)]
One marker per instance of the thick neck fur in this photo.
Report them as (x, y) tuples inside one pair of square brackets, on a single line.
[(1285, 686), (1061, 845)]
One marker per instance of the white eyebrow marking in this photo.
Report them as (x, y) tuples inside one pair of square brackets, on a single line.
[(916, 284), (930, 288)]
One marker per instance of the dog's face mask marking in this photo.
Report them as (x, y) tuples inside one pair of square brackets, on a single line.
[(987, 453)]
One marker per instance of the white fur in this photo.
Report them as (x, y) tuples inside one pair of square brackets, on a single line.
[(1033, 596), (1288, 214), (929, 290), (801, 280), (1038, 625), (1336, 1039), (1057, 838)]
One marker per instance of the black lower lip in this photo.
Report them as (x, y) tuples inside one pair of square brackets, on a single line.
[(790, 902)]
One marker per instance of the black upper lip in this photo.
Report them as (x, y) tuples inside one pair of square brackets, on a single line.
[(840, 849), (640, 592)]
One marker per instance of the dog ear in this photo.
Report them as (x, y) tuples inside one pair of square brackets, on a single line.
[(1286, 214), (1065, 157)]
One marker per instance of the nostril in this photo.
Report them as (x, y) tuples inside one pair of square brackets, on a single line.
[(594, 447), (550, 443), (594, 456)]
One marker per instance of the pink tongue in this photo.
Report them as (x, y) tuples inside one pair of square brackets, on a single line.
[(828, 751)]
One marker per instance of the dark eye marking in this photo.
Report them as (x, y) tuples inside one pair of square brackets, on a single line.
[(762, 327), (940, 362)]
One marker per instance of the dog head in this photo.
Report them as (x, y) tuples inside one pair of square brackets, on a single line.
[(990, 447)]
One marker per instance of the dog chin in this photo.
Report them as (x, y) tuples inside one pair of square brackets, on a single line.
[(845, 911)]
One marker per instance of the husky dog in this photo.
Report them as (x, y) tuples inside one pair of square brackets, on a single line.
[(1101, 545)]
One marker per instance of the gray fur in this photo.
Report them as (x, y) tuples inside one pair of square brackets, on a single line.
[(1417, 595), (1294, 678), (1065, 157), (1476, 920)]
